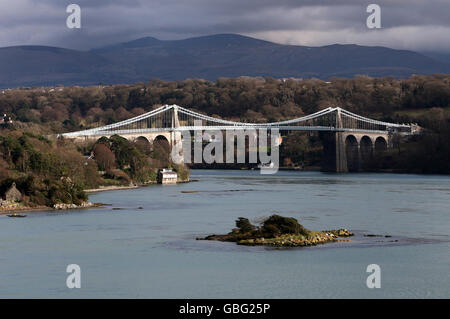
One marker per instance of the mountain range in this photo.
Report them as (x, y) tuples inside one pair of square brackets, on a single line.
[(206, 57)]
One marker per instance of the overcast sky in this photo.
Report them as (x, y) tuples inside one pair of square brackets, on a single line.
[(406, 24)]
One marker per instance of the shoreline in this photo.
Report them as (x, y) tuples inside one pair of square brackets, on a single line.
[(111, 188), (114, 187), (26, 209)]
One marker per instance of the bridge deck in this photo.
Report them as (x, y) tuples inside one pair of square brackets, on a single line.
[(173, 118)]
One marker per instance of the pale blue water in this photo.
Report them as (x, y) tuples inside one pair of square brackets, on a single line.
[(152, 252)]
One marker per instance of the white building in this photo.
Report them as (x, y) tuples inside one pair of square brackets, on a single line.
[(167, 176)]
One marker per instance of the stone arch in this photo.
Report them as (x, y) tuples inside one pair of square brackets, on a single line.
[(380, 145), (161, 139), (161, 149), (366, 149), (143, 144), (352, 153)]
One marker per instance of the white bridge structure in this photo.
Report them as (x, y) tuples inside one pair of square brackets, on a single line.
[(348, 137)]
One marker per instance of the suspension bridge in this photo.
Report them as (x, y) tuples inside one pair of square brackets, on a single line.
[(348, 138)]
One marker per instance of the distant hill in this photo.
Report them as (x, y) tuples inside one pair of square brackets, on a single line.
[(439, 56), (207, 57)]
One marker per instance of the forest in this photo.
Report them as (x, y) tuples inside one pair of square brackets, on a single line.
[(62, 109)]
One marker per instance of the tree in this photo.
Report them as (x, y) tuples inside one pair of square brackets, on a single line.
[(244, 225), (276, 225), (104, 157)]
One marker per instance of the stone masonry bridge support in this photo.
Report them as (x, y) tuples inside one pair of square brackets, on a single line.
[(350, 151)]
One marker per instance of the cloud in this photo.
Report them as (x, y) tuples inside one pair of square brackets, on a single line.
[(407, 24), (406, 38)]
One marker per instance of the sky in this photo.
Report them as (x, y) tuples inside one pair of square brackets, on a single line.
[(420, 25)]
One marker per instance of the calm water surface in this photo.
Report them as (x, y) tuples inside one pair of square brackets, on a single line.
[(151, 252)]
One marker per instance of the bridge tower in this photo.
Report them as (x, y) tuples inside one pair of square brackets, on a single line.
[(334, 153), (341, 156), (175, 138)]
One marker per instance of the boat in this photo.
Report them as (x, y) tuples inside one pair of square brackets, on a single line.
[(17, 215), (266, 166)]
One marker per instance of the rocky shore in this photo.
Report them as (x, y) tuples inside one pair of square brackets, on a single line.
[(16, 207), (73, 206), (278, 231), (297, 240)]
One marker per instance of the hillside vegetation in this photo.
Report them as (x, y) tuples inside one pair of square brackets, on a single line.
[(50, 172), (421, 99)]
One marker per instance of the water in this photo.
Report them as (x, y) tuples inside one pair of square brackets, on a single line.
[(152, 252)]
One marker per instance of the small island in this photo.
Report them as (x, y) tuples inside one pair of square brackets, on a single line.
[(279, 231)]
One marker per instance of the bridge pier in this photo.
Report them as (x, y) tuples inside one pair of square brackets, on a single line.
[(334, 154), (351, 151), (341, 155)]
